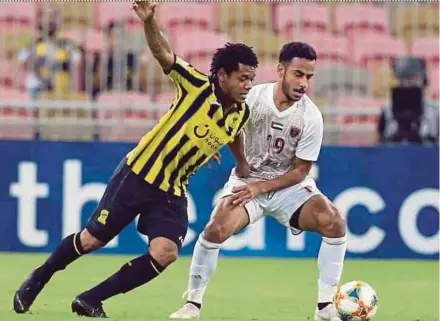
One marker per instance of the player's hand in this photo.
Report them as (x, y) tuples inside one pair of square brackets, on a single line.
[(144, 9), (243, 170), (243, 194), (216, 158)]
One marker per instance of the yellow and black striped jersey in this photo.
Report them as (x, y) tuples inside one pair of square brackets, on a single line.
[(189, 134)]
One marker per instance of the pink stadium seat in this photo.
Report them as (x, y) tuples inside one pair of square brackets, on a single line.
[(127, 118), (90, 39), (16, 12), (374, 105), (266, 72), (16, 122), (363, 17), (427, 48), (310, 17), (11, 74), (434, 83), (328, 47), (165, 98), (186, 16), (377, 47), (190, 44), (7, 73), (202, 63), (107, 12)]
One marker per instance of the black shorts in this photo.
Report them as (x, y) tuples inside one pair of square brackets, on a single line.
[(127, 195)]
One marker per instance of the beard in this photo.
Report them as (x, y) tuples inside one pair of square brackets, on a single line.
[(286, 90)]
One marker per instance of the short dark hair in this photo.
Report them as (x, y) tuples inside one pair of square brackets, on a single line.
[(296, 49), (231, 55)]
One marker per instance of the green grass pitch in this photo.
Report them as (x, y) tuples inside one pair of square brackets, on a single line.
[(241, 289)]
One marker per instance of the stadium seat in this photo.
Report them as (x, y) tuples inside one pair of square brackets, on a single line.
[(377, 47), (329, 48), (125, 116), (89, 39), (266, 72), (418, 19), (266, 43), (16, 120), (428, 49), (243, 14), (293, 18), (186, 16), (361, 19), (16, 13), (76, 14), (333, 80), (202, 43), (11, 74), (434, 83), (14, 39), (71, 119)]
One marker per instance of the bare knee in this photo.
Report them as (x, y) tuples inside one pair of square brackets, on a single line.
[(215, 232), (331, 223), (164, 251), (90, 243)]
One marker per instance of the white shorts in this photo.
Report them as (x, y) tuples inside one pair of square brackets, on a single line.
[(281, 204)]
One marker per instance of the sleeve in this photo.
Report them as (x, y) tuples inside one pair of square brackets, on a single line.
[(244, 120), (310, 142), (185, 75)]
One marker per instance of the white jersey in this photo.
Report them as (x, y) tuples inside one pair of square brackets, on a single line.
[(273, 139)]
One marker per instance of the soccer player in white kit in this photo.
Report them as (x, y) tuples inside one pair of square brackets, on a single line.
[(281, 142)]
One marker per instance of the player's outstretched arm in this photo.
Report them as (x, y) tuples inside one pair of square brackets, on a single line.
[(159, 46)]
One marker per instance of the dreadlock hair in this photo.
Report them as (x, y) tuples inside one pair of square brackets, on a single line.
[(296, 49), (230, 56)]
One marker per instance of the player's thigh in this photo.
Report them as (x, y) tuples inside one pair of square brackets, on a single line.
[(317, 213), (117, 208), (228, 219), (166, 217), (286, 204)]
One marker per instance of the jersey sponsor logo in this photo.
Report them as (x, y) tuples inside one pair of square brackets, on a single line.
[(294, 131), (210, 138), (202, 133), (276, 125), (103, 217)]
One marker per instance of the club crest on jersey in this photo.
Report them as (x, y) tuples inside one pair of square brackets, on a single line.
[(276, 125), (294, 131)]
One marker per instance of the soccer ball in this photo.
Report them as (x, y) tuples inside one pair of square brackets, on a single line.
[(356, 301)]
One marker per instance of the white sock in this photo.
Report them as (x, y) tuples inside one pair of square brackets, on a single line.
[(203, 264), (330, 261)]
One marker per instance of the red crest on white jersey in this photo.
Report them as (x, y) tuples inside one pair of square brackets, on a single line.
[(294, 131)]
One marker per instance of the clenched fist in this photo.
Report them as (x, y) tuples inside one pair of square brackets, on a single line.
[(144, 9)]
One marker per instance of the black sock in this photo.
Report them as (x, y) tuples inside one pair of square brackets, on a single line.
[(68, 251), (322, 305), (195, 303), (131, 275)]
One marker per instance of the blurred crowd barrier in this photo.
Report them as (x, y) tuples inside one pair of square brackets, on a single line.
[(83, 71)]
